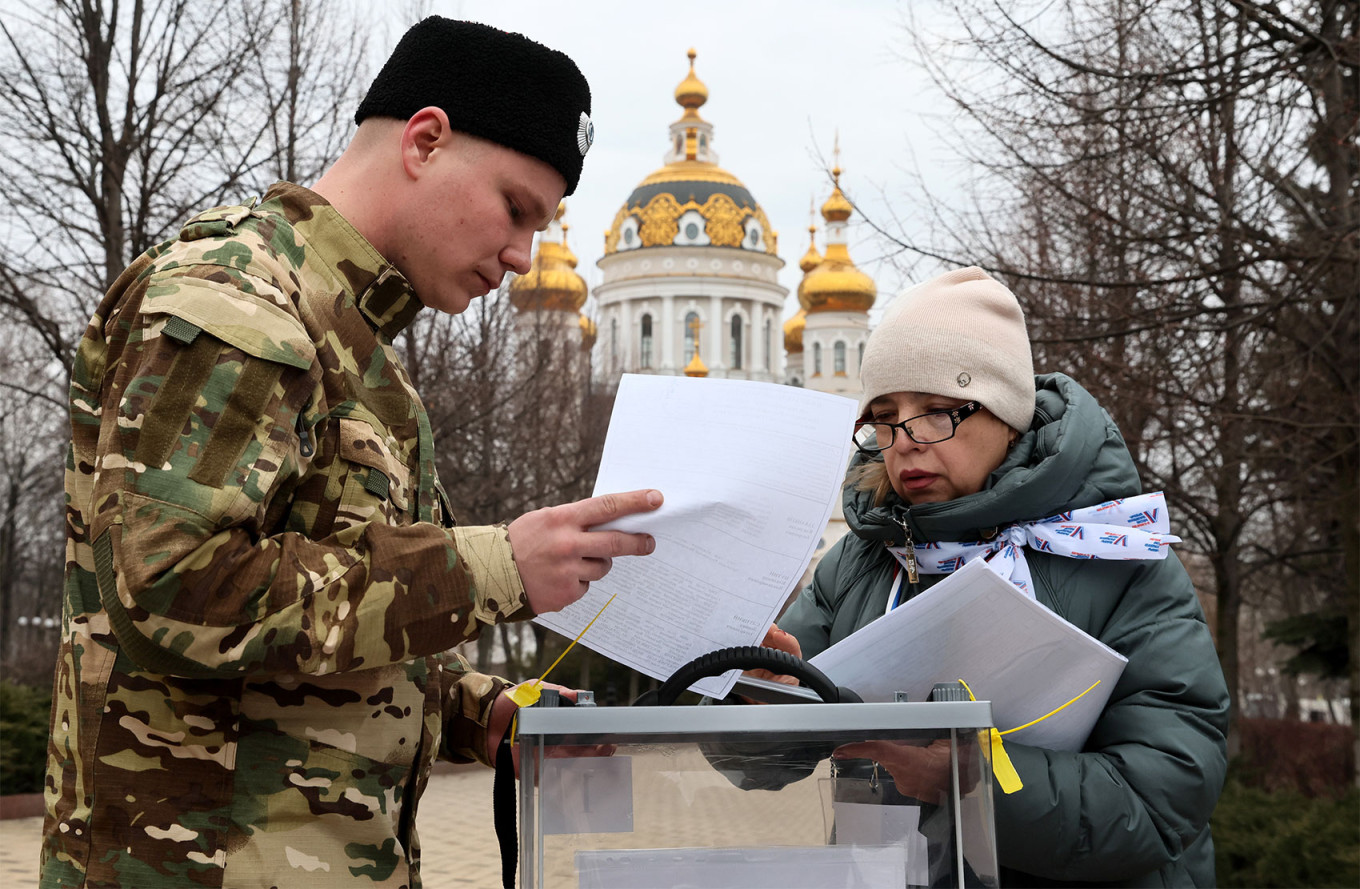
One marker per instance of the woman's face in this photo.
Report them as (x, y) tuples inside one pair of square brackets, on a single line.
[(935, 473)]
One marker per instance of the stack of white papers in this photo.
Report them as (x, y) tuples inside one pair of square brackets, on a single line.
[(975, 626), (750, 472)]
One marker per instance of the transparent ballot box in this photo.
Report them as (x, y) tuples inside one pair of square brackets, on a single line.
[(781, 795)]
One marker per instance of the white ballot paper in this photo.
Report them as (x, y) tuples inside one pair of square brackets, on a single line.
[(750, 472), (976, 626)]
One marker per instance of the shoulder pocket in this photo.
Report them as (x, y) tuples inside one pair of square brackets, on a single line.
[(250, 323)]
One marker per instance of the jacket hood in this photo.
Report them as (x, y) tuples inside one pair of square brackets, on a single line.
[(1072, 456)]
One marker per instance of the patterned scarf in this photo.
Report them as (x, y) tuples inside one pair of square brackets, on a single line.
[(1128, 528)]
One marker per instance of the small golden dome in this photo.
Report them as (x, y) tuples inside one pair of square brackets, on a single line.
[(691, 93), (793, 332), (551, 282), (836, 208), (811, 259), (836, 285), (696, 367)]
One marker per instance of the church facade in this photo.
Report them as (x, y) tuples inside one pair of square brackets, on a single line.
[(690, 281)]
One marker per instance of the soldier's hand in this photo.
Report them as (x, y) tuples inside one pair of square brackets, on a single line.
[(504, 709), (558, 554)]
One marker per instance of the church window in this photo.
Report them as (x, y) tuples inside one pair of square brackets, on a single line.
[(691, 231), (816, 359), (614, 341), (769, 339), (751, 239), (736, 342), (860, 363), (646, 348), (839, 359), (691, 324)]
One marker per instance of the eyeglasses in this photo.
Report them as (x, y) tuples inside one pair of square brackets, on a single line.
[(927, 428)]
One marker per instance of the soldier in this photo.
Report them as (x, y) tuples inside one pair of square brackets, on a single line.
[(262, 569)]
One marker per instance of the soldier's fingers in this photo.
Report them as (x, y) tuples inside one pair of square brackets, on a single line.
[(575, 751), (607, 507), (594, 569), (608, 544)]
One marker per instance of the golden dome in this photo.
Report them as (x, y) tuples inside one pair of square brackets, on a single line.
[(691, 93), (811, 259), (793, 332), (836, 285), (691, 201), (836, 208), (551, 282)]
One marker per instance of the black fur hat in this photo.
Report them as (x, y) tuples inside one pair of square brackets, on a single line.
[(497, 85)]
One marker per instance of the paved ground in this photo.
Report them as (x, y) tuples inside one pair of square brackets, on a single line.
[(465, 856), (676, 800)]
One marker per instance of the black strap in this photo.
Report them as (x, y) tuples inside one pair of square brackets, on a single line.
[(747, 657), (503, 812)]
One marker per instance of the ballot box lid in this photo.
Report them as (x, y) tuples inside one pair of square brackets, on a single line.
[(676, 723)]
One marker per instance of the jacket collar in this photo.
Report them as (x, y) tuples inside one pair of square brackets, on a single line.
[(380, 292)]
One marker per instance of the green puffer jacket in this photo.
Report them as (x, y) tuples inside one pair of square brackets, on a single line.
[(1131, 809)]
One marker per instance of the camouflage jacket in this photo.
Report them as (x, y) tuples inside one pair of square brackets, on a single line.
[(262, 571)]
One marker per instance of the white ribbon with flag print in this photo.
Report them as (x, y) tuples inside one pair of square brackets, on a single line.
[(1128, 528)]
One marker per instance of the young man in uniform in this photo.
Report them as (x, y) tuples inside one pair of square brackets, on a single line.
[(263, 573)]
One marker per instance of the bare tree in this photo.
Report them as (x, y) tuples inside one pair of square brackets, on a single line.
[(307, 80), (122, 120), (516, 423), (1169, 187)]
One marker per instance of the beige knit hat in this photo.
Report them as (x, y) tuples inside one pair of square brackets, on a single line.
[(961, 334)]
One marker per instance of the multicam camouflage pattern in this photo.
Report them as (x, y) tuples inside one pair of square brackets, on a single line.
[(261, 571)]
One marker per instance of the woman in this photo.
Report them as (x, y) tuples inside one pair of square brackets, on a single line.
[(959, 439)]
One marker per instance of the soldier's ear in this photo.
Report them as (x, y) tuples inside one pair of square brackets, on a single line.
[(426, 131)]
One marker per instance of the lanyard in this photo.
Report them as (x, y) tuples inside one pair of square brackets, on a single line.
[(895, 594)]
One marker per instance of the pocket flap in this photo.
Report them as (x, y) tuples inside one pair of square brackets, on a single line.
[(249, 323), (361, 443)]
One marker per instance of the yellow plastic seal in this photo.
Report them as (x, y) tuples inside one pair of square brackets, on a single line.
[(1007, 778), (1002, 767), (526, 694)]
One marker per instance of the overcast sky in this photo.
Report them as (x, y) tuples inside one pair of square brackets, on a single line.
[(783, 78)]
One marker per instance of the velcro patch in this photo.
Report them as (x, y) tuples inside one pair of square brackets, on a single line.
[(377, 483), (180, 330)]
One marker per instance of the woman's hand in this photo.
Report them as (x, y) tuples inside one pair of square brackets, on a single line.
[(777, 639), (920, 770)]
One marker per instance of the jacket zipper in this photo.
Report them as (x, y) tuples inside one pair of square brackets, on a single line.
[(306, 446)]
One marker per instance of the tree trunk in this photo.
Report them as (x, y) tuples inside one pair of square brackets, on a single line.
[(8, 550), (1229, 614)]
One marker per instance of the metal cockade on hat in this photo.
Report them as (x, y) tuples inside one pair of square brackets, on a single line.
[(585, 134)]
